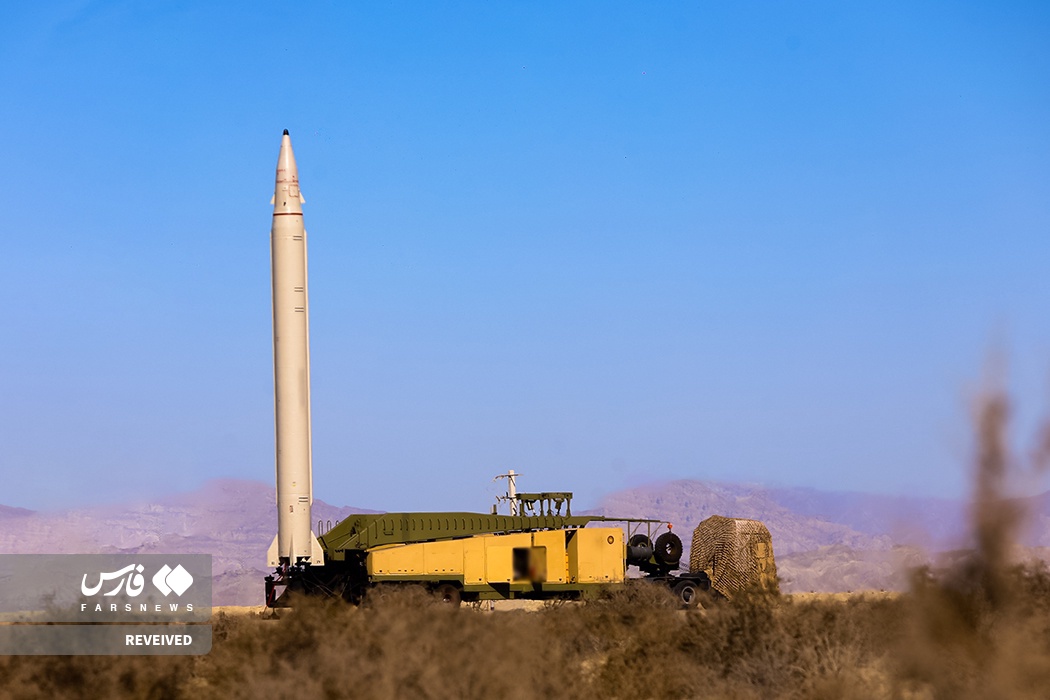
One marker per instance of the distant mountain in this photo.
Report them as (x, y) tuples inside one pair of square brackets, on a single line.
[(829, 541), (839, 568), (823, 541), (685, 503), (1036, 519), (935, 523), (9, 512)]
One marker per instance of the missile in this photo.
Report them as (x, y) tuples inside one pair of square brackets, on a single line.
[(295, 542)]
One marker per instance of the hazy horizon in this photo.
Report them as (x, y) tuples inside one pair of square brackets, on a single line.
[(486, 495)]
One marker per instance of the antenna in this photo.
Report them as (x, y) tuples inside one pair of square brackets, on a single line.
[(512, 491)]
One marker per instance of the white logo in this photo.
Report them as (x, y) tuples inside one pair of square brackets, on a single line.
[(134, 581), (167, 581)]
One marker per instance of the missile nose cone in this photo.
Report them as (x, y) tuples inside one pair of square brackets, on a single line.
[(287, 198)]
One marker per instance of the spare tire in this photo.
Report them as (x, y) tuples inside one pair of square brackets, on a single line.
[(668, 549), (640, 540)]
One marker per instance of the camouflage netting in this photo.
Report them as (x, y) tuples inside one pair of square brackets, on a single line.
[(735, 553)]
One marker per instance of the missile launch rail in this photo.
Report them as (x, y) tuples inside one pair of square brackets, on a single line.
[(478, 556)]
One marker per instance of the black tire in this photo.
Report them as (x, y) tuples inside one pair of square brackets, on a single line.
[(448, 594), (688, 594), (668, 549), (640, 540)]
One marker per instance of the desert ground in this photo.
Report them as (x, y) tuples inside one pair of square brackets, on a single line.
[(969, 633)]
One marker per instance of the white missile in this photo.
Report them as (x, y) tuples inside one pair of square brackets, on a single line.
[(295, 542)]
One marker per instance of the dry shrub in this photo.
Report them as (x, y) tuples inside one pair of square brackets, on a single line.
[(632, 642), (33, 677), (765, 646), (979, 629)]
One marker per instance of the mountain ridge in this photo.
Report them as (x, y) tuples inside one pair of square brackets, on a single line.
[(824, 541)]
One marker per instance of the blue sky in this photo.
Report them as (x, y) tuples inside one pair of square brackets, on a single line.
[(599, 243)]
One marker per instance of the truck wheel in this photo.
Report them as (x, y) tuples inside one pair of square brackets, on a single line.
[(447, 594), (688, 594), (668, 549)]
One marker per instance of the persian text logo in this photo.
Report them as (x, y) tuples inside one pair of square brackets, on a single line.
[(134, 580), (167, 581)]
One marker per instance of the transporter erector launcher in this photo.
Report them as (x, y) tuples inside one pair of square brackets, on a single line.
[(539, 551), (295, 542)]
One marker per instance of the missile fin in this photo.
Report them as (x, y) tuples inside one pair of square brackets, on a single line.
[(316, 553), (272, 557)]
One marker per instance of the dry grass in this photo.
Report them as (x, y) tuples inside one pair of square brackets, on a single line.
[(978, 630), (982, 628), (633, 643)]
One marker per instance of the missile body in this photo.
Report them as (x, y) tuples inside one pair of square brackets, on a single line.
[(295, 542)]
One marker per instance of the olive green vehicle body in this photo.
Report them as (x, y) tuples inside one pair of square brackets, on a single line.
[(363, 532)]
